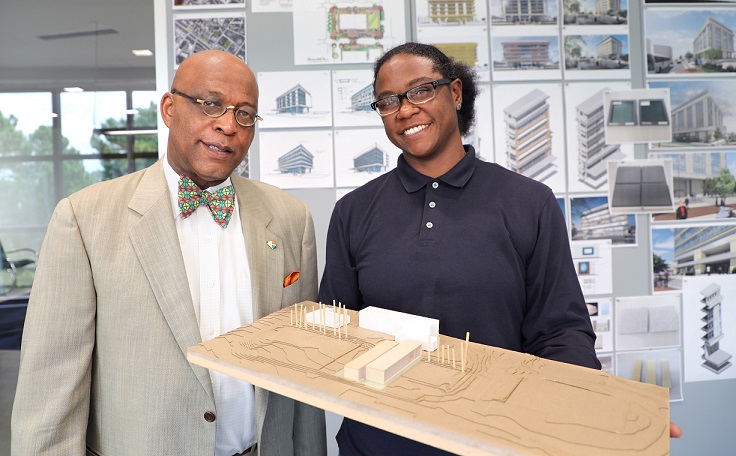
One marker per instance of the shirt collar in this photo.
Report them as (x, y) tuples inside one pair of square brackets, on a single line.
[(458, 176)]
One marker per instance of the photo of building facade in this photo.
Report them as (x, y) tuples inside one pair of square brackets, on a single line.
[(451, 11), (689, 170), (524, 11), (714, 35), (697, 119), (372, 160), (610, 47), (603, 7), (526, 54), (528, 135), (295, 101), (598, 223), (705, 249), (362, 99), (297, 161), (593, 152)]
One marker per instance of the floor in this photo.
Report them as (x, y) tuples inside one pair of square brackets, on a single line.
[(9, 361)]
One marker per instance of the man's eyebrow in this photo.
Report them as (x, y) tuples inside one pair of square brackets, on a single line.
[(218, 94), (413, 83)]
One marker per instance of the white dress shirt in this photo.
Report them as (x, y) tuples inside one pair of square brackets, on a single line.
[(219, 279)]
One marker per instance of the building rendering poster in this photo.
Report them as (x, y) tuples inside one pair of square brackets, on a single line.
[(362, 155), (293, 99), (703, 114), (686, 42), (297, 159), (709, 322), (358, 31), (587, 149)]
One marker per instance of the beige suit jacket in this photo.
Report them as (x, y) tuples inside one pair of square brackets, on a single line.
[(103, 358)]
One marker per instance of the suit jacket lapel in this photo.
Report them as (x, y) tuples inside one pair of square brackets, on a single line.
[(266, 264), (156, 243)]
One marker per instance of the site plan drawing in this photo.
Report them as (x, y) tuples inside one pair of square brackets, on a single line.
[(497, 402)]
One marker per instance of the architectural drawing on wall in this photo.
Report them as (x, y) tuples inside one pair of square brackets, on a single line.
[(715, 359), (529, 137), (206, 3), (449, 12), (466, 53), (293, 99), (352, 94), (596, 52), (701, 115), (594, 264), (705, 42), (358, 31), (371, 160), (535, 53), (362, 99), (347, 25), (296, 161), (593, 151), (296, 100), (595, 12), (591, 219), (524, 12), (192, 34), (696, 119), (690, 171), (707, 249)]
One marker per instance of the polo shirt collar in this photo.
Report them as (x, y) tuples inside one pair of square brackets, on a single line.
[(458, 176)]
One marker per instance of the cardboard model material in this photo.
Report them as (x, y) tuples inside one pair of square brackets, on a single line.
[(503, 403)]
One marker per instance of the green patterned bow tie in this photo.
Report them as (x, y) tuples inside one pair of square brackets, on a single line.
[(220, 203)]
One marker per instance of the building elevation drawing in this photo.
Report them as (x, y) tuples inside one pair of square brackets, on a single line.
[(593, 152), (715, 359), (528, 136), (452, 11)]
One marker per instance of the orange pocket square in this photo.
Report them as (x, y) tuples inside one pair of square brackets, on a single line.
[(291, 278)]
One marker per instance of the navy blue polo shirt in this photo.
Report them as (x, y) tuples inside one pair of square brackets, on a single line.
[(480, 248)]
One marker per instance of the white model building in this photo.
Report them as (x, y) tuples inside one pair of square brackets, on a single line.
[(402, 326)]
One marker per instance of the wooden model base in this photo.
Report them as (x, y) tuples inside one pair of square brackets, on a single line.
[(504, 403)]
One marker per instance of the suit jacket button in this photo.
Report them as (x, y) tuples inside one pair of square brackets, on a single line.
[(209, 417)]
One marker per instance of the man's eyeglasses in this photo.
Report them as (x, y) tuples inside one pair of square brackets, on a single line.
[(213, 108), (416, 95)]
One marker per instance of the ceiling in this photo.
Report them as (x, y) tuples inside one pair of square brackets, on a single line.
[(99, 62)]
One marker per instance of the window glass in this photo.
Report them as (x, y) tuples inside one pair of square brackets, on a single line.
[(146, 105), (25, 124), (83, 112)]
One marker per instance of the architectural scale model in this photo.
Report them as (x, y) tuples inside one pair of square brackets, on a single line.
[(494, 402)]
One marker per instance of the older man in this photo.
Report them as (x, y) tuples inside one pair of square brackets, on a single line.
[(135, 270)]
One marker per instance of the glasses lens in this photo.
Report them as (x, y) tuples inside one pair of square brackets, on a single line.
[(421, 94), (388, 105), (244, 118), (213, 108)]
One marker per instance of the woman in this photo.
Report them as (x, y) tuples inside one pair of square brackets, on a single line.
[(447, 236)]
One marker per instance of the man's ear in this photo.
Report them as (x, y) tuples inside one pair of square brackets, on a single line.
[(166, 108)]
